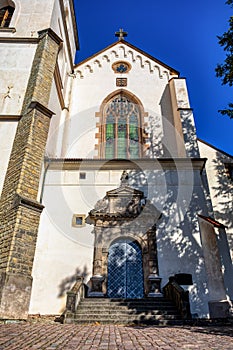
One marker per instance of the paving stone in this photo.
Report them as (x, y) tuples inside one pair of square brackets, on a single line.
[(110, 337)]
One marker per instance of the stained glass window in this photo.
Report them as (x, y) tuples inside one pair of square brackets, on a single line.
[(110, 137), (5, 16), (122, 134)]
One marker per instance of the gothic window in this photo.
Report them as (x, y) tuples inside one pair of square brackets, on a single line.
[(5, 16), (122, 128)]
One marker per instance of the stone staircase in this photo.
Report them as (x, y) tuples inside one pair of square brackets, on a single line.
[(158, 311)]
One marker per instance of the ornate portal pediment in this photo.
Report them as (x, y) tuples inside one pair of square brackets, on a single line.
[(122, 205), (125, 191)]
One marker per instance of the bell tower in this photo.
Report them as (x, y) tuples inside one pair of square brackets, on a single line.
[(37, 54)]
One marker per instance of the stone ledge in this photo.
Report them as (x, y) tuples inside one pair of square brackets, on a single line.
[(13, 118), (19, 40), (27, 203), (41, 108), (51, 34), (8, 30), (119, 164)]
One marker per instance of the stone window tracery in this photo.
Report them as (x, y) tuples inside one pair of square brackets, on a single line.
[(122, 128)]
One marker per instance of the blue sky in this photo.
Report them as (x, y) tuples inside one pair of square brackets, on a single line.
[(182, 34)]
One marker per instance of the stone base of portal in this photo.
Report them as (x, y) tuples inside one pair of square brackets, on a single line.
[(219, 309), (97, 286), (154, 283)]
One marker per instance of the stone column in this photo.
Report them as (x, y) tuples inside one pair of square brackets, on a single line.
[(218, 303), (97, 278), (19, 209), (154, 281)]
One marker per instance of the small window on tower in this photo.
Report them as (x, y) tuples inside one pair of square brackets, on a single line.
[(5, 16), (82, 176), (78, 220)]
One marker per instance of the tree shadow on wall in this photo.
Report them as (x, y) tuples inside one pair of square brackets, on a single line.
[(68, 282), (223, 210), (223, 207), (171, 125), (178, 227)]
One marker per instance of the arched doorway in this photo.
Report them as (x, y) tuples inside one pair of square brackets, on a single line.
[(125, 271)]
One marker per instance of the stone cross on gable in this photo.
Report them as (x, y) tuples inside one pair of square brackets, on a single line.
[(121, 34)]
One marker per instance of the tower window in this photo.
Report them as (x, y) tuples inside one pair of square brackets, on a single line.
[(78, 220), (5, 16), (82, 176), (122, 128)]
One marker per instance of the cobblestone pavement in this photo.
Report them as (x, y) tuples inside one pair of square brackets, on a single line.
[(103, 337)]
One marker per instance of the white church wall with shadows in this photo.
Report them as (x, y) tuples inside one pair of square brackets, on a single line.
[(64, 251)]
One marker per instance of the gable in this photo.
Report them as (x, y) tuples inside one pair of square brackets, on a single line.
[(126, 51)]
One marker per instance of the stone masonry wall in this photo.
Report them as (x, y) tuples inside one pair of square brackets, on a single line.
[(19, 209)]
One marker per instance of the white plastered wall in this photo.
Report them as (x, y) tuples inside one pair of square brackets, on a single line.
[(29, 17), (15, 62), (221, 191), (64, 250), (15, 66), (95, 80)]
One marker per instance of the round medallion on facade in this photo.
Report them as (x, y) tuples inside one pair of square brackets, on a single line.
[(121, 67)]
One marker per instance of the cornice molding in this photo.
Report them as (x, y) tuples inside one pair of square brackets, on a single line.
[(7, 30), (13, 118), (19, 40), (28, 203), (119, 164)]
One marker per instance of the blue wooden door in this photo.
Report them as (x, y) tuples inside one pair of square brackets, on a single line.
[(125, 273)]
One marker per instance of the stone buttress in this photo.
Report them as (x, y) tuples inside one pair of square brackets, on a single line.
[(19, 209)]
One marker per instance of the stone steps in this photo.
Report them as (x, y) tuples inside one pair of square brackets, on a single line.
[(125, 311), (84, 311), (120, 315)]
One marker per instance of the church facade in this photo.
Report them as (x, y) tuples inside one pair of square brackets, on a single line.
[(102, 174)]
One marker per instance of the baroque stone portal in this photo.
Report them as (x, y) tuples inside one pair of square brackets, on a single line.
[(124, 215)]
